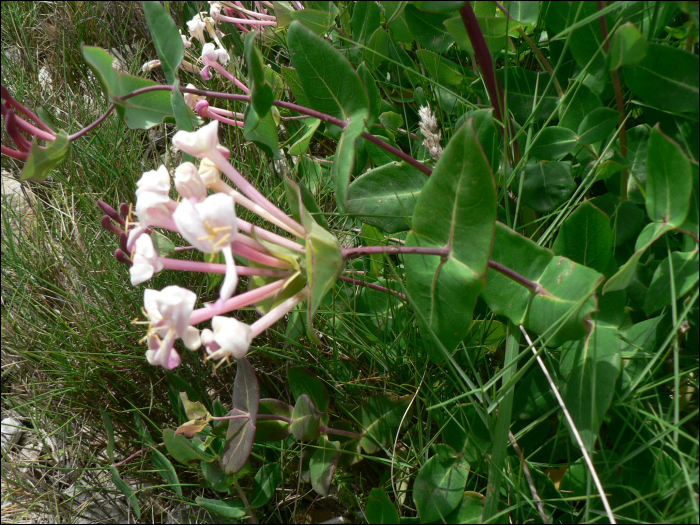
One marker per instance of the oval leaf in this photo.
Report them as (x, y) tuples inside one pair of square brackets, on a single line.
[(547, 185), (553, 143), (439, 487), (597, 125), (385, 197)]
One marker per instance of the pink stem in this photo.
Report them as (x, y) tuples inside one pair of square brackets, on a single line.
[(254, 255), (20, 155), (251, 13), (258, 198), (33, 130), (197, 266), (222, 70), (269, 236), (225, 120), (252, 243), (277, 313), (239, 301), (228, 113), (10, 99), (224, 18)]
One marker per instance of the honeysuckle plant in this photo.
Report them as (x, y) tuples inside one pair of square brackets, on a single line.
[(462, 223)]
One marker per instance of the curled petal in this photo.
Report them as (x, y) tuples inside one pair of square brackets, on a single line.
[(161, 352), (209, 173), (191, 338), (198, 143), (157, 181), (146, 261)]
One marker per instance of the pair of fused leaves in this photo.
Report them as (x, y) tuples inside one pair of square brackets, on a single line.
[(324, 257)]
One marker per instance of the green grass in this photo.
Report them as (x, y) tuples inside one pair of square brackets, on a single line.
[(70, 350)]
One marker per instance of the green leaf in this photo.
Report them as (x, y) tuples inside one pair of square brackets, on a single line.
[(194, 410), (109, 431), (184, 116), (364, 21), (375, 97), (628, 47), (241, 432), (266, 481), (214, 476), (590, 368), (291, 78), (377, 50), (166, 39), (380, 509), (439, 486), (547, 185), (569, 288), (260, 91), (650, 234), (125, 489), (324, 257), (586, 42), (380, 418), (184, 450), (385, 197), (301, 146), (227, 509), (586, 238), (140, 112), (303, 381), (283, 13), (471, 507), (435, 6), (534, 396), (522, 86), (322, 465), (667, 78), (467, 434), (494, 30), (669, 180), (553, 143), (344, 159), (327, 78), (262, 131), (456, 210), (167, 471), (273, 429), (314, 20), (42, 160), (525, 12), (428, 28), (685, 277), (307, 419), (579, 101), (597, 125), (443, 71)]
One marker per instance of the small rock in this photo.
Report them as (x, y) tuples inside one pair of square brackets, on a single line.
[(11, 432)]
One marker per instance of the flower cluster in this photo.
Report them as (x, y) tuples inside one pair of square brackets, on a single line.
[(204, 215)]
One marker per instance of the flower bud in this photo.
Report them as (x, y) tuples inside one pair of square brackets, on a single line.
[(188, 182)]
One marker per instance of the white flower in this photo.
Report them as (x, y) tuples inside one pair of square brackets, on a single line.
[(169, 312), (150, 205), (230, 338), (185, 41), (215, 54), (155, 180), (191, 99), (145, 260), (188, 182), (208, 225), (199, 143), (211, 226), (215, 10), (196, 27)]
